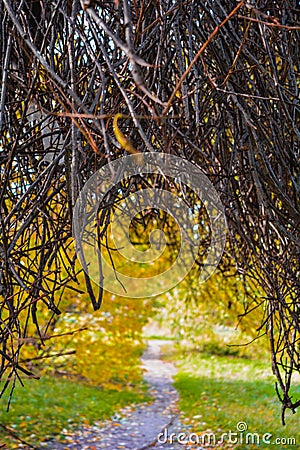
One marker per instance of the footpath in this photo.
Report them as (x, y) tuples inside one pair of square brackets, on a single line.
[(139, 428)]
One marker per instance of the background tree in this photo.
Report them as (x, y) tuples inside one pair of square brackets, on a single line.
[(216, 83)]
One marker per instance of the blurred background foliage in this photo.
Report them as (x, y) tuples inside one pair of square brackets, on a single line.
[(214, 317), (101, 348)]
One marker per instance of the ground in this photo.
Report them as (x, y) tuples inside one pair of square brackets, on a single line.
[(137, 429)]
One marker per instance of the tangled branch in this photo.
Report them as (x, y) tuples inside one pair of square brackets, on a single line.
[(213, 83)]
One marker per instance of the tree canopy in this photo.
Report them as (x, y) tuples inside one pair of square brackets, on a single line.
[(215, 83)]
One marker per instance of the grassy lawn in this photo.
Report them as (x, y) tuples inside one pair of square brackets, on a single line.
[(44, 408), (217, 392)]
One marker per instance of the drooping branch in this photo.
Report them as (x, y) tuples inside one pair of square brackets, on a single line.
[(228, 77)]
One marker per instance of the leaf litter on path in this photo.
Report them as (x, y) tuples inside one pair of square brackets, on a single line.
[(138, 428)]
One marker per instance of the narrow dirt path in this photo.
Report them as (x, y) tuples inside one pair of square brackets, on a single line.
[(137, 429)]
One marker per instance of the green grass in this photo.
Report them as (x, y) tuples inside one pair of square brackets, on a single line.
[(45, 407), (216, 393)]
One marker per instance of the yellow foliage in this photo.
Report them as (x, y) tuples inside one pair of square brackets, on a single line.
[(108, 348), (214, 313)]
